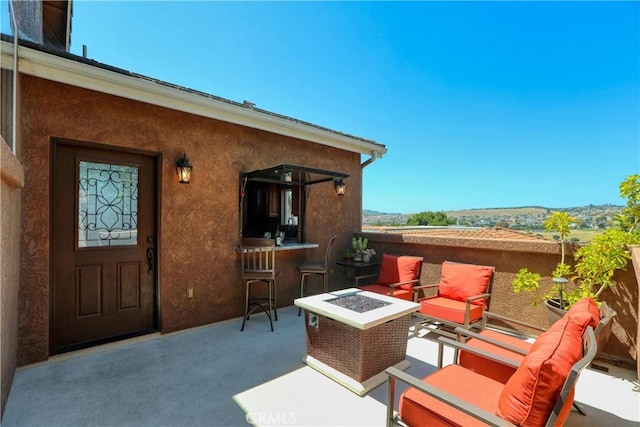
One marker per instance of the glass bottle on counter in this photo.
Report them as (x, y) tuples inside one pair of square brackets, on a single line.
[(278, 237)]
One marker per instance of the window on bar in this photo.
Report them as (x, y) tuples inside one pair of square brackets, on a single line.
[(270, 207)]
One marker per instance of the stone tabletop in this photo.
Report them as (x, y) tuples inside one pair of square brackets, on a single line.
[(382, 309)]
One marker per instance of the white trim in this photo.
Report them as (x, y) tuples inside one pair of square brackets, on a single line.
[(67, 71)]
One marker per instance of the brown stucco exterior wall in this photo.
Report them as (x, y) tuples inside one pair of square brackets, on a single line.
[(508, 257), (11, 182), (198, 222)]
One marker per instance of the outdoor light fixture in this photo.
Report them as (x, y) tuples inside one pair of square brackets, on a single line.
[(184, 170), (560, 283), (339, 186)]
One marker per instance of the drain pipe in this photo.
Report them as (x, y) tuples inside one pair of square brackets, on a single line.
[(374, 156), (14, 90), (67, 41)]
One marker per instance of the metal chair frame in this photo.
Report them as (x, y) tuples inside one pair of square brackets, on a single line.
[(602, 328), (589, 352), (319, 268), (446, 327)]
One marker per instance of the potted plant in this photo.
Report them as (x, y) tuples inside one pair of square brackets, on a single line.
[(359, 244), (596, 262), (528, 281), (348, 254), (367, 254)]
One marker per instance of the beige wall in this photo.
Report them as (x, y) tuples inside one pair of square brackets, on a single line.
[(12, 180), (508, 257), (199, 221)]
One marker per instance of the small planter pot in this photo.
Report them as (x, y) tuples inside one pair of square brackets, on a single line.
[(366, 258), (554, 312), (357, 257)]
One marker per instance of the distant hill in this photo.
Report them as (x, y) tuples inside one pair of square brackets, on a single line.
[(515, 217), (525, 210), (367, 212), (522, 210)]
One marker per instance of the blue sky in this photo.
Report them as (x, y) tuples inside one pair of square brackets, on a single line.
[(480, 105)]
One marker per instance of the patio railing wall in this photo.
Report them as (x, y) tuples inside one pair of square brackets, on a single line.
[(508, 256)]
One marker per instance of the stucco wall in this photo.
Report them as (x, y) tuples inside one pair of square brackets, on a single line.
[(635, 254), (508, 257), (11, 182), (199, 221)]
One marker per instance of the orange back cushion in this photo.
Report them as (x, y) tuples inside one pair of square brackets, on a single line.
[(460, 281), (530, 394), (399, 268), (586, 310)]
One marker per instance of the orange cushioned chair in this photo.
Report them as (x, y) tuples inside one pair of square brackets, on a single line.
[(510, 345), (462, 295), (399, 274), (512, 349), (540, 391)]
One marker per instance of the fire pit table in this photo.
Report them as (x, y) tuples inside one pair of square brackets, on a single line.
[(354, 335)]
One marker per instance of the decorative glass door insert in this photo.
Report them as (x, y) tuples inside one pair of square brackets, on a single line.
[(107, 205)]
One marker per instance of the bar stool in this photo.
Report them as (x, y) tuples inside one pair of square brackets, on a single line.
[(320, 268), (259, 266)]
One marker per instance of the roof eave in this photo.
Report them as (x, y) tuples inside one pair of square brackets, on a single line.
[(56, 68)]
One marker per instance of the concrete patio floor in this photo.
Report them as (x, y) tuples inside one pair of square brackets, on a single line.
[(217, 375)]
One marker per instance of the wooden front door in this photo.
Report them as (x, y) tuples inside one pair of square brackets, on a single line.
[(103, 245)]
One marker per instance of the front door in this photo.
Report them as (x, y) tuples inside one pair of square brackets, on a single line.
[(103, 245)]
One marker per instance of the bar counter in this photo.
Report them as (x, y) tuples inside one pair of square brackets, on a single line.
[(289, 246), (293, 245)]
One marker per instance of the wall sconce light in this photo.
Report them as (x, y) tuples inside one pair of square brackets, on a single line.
[(184, 170), (339, 186)]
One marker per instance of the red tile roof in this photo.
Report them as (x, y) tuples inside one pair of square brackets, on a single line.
[(464, 232)]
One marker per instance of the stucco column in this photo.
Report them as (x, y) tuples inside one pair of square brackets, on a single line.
[(635, 258), (11, 183)]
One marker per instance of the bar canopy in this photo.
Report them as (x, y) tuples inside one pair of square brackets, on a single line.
[(293, 175)]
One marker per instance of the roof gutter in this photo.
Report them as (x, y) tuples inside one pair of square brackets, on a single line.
[(374, 156)]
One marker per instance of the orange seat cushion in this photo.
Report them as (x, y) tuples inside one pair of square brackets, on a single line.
[(490, 368), (418, 409), (448, 309), (460, 281), (386, 290), (530, 394), (399, 268)]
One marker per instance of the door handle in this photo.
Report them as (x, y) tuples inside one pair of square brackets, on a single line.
[(150, 260)]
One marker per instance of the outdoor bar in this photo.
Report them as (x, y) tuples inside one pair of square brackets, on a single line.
[(274, 202)]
